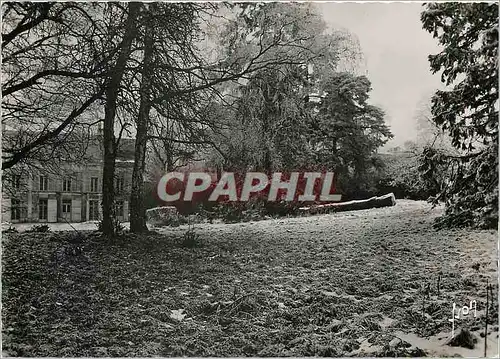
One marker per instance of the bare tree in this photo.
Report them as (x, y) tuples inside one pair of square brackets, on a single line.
[(109, 141), (138, 213)]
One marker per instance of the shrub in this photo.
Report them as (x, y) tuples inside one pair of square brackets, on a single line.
[(191, 239), (39, 228), (10, 230), (469, 187), (400, 175), (166, 215)]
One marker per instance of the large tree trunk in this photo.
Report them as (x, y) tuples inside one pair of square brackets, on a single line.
[(387, 200), (109, 142), (137, 207)]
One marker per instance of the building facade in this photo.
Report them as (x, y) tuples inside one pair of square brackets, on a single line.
[(70, 193)]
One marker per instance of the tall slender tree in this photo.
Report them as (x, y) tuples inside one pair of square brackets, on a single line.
[(113, 83), (138, 213)]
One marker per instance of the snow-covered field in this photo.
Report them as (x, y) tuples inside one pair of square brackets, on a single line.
[(377, 282)]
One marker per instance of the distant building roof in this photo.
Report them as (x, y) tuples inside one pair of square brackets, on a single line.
[(125, 152), (91, 146)]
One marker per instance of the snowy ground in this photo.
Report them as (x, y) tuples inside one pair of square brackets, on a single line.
[(409, 222), (361, 283)]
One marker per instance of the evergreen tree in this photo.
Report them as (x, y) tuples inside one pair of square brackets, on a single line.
[(468, 111)]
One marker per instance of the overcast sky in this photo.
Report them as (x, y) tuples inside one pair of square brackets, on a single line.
[(395, 49)]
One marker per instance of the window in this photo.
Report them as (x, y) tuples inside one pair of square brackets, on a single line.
[(120, 184), (44, 183), (42, 209), (15, 210), (67, 185), (93, 210), (94, 184), (119, 208), (16, 181), (66, 206)]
